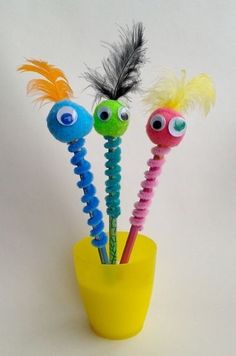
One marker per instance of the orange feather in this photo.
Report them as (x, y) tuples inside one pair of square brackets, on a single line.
[(54, 87)]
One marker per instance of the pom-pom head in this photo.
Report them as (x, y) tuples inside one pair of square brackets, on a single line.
[(68, 121), (111, 118), (166, 127), (170, 98)]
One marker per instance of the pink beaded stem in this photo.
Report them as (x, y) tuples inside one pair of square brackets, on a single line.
[(145, 194)]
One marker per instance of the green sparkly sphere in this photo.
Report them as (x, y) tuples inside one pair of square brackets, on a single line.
[(111, 118)]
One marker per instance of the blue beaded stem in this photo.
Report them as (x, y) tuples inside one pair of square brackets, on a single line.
[(89, 198), (113, 170)]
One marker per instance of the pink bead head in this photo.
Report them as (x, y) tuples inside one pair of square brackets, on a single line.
[(166, 127), (169, 98)]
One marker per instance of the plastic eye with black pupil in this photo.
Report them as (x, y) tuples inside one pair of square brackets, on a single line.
[(67, 116), (123, 114), (158, 123), (104, 114)]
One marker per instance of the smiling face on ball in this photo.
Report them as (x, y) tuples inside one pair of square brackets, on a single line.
[(111, 118), (68, 121), (166, 127)]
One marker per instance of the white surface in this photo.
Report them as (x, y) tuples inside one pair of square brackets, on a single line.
[(192, 218)]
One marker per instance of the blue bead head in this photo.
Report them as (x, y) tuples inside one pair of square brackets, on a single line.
[(68, 121)]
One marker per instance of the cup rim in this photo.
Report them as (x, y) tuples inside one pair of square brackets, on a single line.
[(84, 260)]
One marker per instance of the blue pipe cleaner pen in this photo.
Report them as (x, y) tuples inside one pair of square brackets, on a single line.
[(69, 122), (89, 198)]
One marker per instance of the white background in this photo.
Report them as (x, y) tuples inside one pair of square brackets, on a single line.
[(192, 218)]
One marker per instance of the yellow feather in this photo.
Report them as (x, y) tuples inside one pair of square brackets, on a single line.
[(180, 94), (54, 87)]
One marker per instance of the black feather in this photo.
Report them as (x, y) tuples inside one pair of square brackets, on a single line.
[(122, 67)]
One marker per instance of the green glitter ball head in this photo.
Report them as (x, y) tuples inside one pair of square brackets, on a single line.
[(111, 118)]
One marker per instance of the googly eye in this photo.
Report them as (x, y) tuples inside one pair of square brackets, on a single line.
[(177, 126), (104, 114), (158, 122), (123, 114), (67, 116)]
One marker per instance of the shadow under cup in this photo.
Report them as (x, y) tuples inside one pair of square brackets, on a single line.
[(116, 297)]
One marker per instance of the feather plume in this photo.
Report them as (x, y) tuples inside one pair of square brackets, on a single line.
[(54, 87), (122, 67), (181, 94)]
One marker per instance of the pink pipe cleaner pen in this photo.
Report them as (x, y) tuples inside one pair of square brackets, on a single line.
[(166, 127)]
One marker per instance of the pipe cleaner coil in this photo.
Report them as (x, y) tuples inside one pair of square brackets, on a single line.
[(113, 170), (146, 193), (89, 198)]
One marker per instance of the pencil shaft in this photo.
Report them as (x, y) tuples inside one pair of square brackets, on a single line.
[(112, 240), (129, 244), (103, 255)]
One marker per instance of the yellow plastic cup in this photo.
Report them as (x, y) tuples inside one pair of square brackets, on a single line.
[(116, 297)]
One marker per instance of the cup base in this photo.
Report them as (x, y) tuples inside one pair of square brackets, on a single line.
[(116, 336), (116, 297)]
